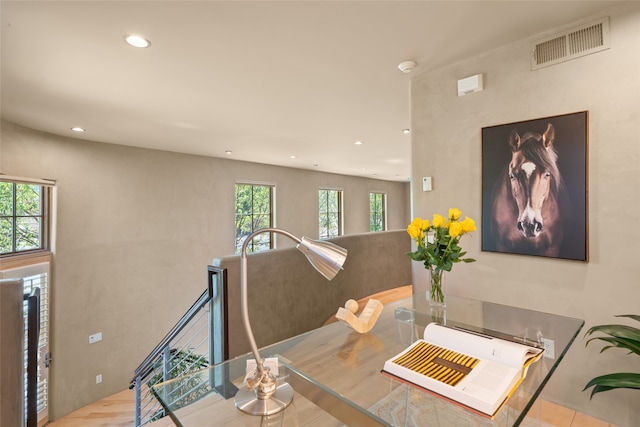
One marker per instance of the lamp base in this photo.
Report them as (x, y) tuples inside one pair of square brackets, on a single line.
[(247, 401)]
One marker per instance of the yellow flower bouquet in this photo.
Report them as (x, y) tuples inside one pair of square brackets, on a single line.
[(438, 246)]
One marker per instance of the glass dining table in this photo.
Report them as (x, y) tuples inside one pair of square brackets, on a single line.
[(335, 372)]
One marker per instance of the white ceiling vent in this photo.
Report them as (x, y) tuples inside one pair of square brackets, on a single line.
[(571, 44)]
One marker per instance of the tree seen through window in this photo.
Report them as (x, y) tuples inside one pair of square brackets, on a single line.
[(330, 215), (377, 211), (253, 211), (22, 217)]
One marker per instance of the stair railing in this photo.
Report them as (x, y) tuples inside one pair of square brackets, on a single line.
[(198, 340)]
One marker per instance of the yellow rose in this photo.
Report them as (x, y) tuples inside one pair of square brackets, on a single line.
[(424, 225), (468, 225), (454, 214), (438, 220), (417, 221), (455, 229), (414, 231)]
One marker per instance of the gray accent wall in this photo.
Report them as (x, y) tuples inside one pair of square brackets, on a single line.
[(287, 297), (446, 145), (134, 232)]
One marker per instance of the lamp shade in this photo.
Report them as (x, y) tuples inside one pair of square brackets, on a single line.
[(261, 394), (325, 257)]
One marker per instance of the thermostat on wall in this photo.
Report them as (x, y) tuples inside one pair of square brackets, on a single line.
[(427, 183), (470, 85)]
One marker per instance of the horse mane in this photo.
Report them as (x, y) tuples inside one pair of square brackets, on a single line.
[(533, 149)]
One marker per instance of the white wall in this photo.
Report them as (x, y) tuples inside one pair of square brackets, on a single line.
[(447, 145), (136, 230)]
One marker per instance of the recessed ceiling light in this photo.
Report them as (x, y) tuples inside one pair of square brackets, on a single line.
[(228, 151), (293, 157), (77, 129), (137, 41), (358, 143), (406, 130)]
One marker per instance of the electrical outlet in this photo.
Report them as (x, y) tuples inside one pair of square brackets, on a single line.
[(549, 348), (98, 378), (95, 338)]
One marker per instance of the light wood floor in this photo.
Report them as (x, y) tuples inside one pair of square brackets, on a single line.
[(118, 410)]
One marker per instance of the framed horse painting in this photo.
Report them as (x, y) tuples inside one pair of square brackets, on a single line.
[(534, 187)]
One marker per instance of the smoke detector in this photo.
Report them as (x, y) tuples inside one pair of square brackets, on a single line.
[(407, 66)]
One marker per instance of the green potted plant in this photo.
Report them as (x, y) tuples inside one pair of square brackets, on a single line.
[(621, 336)]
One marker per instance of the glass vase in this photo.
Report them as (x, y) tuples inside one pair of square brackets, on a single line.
[(437, 290)]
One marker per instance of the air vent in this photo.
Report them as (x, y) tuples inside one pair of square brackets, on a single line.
[(571, 44)]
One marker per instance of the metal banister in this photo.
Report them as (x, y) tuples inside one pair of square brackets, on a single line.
[(184, 320), (198, 339)]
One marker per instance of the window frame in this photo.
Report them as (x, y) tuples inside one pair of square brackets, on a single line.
[(339, 215), (383, 212), (238, 242), (44, 216)]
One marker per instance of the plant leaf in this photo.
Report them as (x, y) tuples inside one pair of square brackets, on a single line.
[(416, 256), (620, 331), (622, 336), (630, 316), (631, 345), (613, 381)]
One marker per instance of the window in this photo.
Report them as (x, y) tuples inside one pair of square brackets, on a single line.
[(330, 202), (377, 211), (254, 209), (24, 228), (23, 217)]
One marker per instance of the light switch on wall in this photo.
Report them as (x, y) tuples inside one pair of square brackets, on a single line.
[(95, 338)]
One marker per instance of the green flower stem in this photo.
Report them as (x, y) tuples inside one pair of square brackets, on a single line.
[(436, 292), (447, 250)]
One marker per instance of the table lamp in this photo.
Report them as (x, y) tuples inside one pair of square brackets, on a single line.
[(261, 394)]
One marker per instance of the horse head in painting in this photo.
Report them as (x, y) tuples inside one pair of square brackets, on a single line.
[(526, 215)]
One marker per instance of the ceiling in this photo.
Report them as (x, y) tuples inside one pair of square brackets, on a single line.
[(264, 80)]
